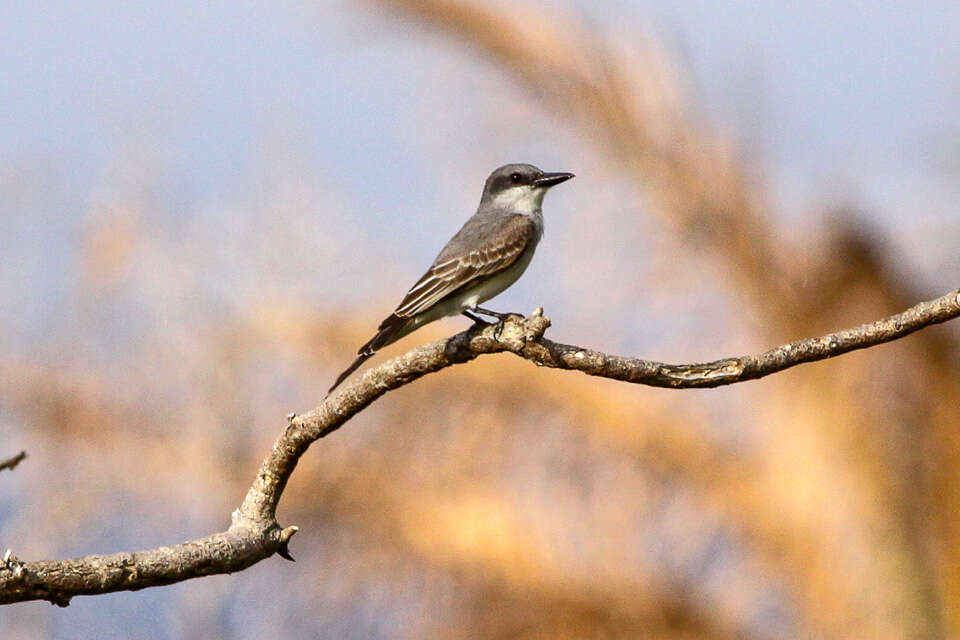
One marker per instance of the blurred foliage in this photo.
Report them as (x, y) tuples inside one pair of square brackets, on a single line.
[(497, 499)]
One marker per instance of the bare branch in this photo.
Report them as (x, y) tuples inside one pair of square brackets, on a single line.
[(524, 337), (59, 580), (11, 463), (742, 368), (255, 534)]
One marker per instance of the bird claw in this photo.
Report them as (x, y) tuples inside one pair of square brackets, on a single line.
[(502, 319), (478, 322)]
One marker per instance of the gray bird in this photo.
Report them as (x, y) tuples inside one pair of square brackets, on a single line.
[(489, 253)]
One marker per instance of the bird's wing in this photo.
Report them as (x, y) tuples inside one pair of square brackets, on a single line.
[(502, 241), (498, 249)]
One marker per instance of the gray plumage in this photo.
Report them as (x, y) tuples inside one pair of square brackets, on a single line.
[(489, 253)]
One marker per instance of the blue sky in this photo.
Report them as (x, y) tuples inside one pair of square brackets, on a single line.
[(861, 92)]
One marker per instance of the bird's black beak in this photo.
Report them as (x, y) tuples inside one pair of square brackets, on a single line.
[(551, 179)]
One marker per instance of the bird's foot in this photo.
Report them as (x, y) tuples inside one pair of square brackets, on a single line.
[(482, 324), (501, 319), (477, 320)]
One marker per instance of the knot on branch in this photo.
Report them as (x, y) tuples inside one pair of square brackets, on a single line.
[(12, 564), (263, 530), (511, 334), (284, 541), (711, 371)]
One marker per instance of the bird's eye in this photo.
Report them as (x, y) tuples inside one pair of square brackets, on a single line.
[(516, 177)]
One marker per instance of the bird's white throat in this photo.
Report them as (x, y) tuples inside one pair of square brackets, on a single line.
[(523, 198)]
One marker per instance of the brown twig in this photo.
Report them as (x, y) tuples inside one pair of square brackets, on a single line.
[(255, 534), (11, 463)]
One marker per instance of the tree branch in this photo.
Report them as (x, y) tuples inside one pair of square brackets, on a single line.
[(743, 368), (255, 534), (12, 462)]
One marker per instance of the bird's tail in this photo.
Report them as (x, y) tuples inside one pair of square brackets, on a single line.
[(386, 333)]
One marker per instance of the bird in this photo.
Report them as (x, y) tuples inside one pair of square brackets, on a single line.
[(487, 255)]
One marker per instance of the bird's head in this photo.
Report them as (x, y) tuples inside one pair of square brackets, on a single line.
[(520, 187)]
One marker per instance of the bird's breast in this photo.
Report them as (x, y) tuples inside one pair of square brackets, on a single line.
[(496, 284)]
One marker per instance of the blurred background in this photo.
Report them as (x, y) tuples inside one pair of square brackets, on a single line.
[(201, 214)]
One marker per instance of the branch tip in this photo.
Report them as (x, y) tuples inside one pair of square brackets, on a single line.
[(11, 463), (13, 564), (285, 535)]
